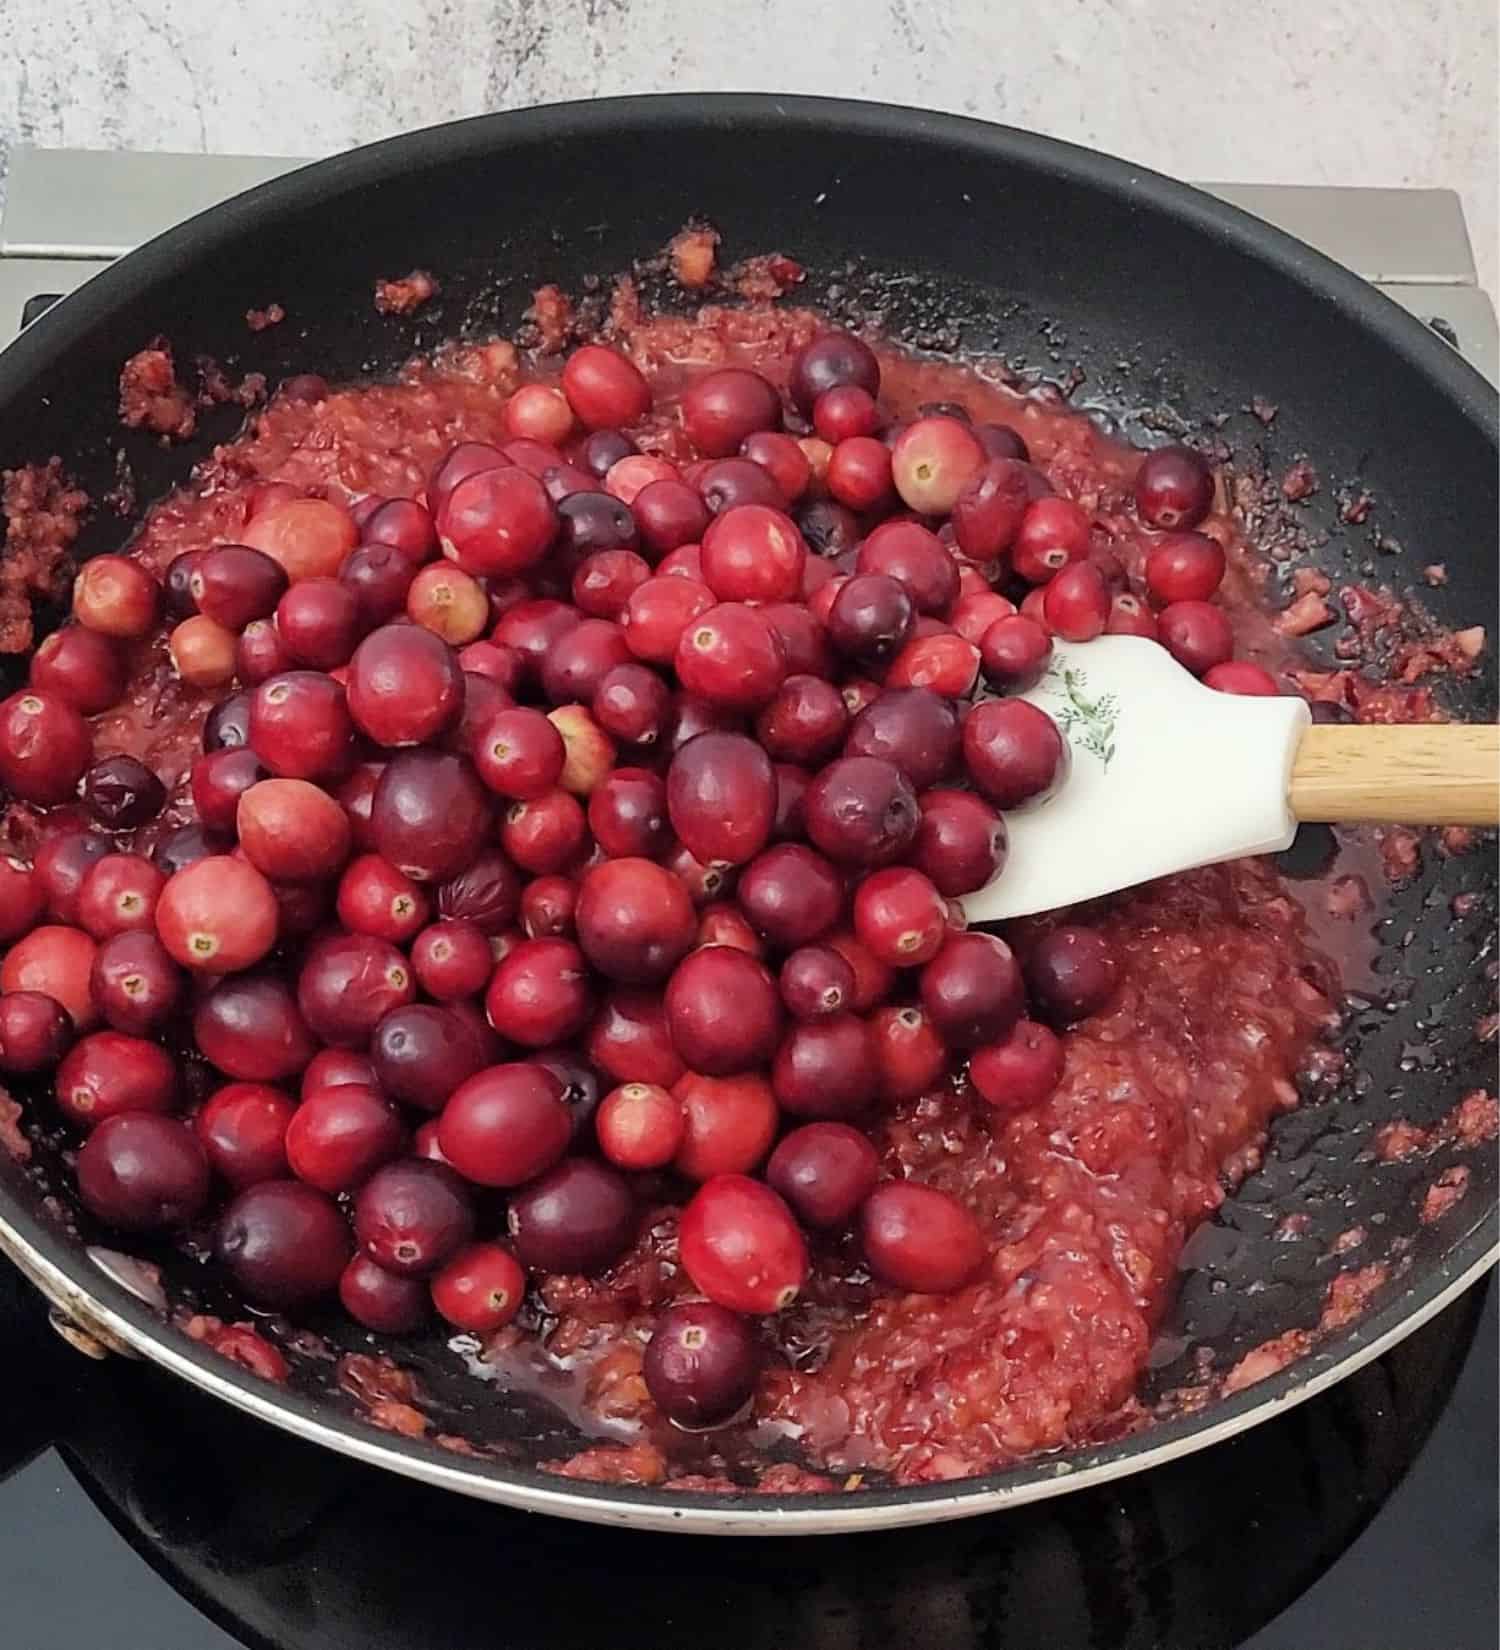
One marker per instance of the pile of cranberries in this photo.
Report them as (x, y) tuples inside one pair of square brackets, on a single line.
[(589, 829)]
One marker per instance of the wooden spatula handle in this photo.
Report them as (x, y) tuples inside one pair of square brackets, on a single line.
[(1430, 774)]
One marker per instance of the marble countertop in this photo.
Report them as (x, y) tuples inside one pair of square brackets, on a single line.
[(1347, 91)]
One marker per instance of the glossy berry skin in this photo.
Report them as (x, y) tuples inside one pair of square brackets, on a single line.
[(723, 1011), (234, 585), (497, 523), (988, 511), (920, 1239), (740, 1245), (915, 729), (900, 916), (121, 792), (604, 390), (805, 722), (791, 894), (1071, 973), (242, 1129), (338, 1137), (1196, 634), (861, 811), (23, 897), (1019, 1071), (422, 1053), (285, 1243), (1174, 489), (412, 1215), (300, 726), (1129, 616), (520, 754), (451, 959), (728, 1123), (972, 990), (1241, 676), (932, 461), (1013, 751), (1184, 567), (143, 1173), (639, 1126), (250, 1027), (506, 1125), (915, 557), (118, 895), (816, 981), (34, 1032), (1014, 654), (578, 1217), (833, 359), (628, 814), (629, 1041), (732, 657), (80, 667), (45, 745), (824, 1171), (217, 917), (430, 815), (700, 1364), (961, 842), (634, 919), (58, 962), (479, 1289), (910, 1056), (405, 686), (722, 408), (721, 797), (540, 994), (1076, 603), (753, 554), (380, 1300), (1054, 533), (348, 984), (292, 831), (826, 1068), (375, 898)]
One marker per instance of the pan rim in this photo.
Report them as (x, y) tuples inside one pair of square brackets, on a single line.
[(65, 1266)]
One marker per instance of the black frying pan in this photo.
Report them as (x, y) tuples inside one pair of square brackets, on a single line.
[(954, 235)]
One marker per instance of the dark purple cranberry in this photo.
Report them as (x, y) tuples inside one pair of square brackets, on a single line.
[(143, 1172), (380, 1300), (871, 618), (121, 793), (285, 1243), (829, 528), (1071, 973), (1174, 489), (380, 575), (429, 815), (581, 1088), (827, 362), (595, 521), (1000, 441), (824, 1171), (729, 482), (227, 725), (861, 811), (186, 846), (914, 728), (421, 1053), (177, 585), (577, 1218), (701, 1363), (410, 1216), (972, 990), (603, 449)]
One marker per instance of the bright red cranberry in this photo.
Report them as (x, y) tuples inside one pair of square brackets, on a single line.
[(740, 1245), (1071, 973), (1053, 533), (300, 726), (830, 361), (35, 1032), (826, 1068), (659, 615), (721, 796), (135, 983), (910, 1057), (338, 1137), (578, 1217), (284, 1243), (1184, 567), (108, 1072), (700, 1364), (543, 836), (1076, 605), (960, 842), (405, 686), (1019, 1071), (914, 729), (861, 811), (407, 526), (791, 894), (729, 482), (782, 456), (639, 1126), (218, 916), (329, 1068), (380, 1300), (720, 409), (723, 1011), (945, 664), (973, 615), (731, 656), (118, 895), (972, 990), (452, 960), (605, 581), (538, 412), (497, 523), (1196, 634), (753, 554), (1012, 750), (604, 390), (628, 814), (242, 1129), (908, 552), (23, 897), (805, 722), (142, 1173), (1014, 654), (900, 916), (375, 898), (1174, 489), (62, 862), (318, 622), (176, 585), (480, 1288), (669, 514), (292, 831), (539, 994), (411, 1216), (846, 412), (920, 1239), (824, 1171), (505, 1125), (458, 464), (233, 584), (1129, 616), (932, 461), (633, 704), (1241, 676), (122, 792), (348, 983), (251, 1028), (379, 577), (57, 962), (629, 1039), (531, 629), (520, 754), (430, 815), (81, 668), (816, 981), (988, 512), (45, 745)]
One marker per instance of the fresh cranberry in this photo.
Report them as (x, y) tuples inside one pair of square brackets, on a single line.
[(218, 916), (588, 751), (458, 464), (319, 622), (908, 552), (605, 581), (538, 412), (740, 1245), (233, 584), (728, 1123), (1076, 605), (108, 1072), (846, 412), (1196, 634), (134, 982), (783, 457), (660, 614), (1020, 1070), (505, 1125), (285, 1243), (729, 482), (118, 895), (932, 461), (497, 523), (724, 924), (871, 618), (861, 811), (700, 1364), (58, 963), (536, 458), (242, 1129), (520, 754), (604, 390), (204, 654), (973, 615), (639, 1126), (805, 722), (227, 725), (81, 668), (1129, 616), (1174, 489), (405, 686), (721, 797), (946, 664), (45, 745), (480, 1288), (23, 897), (628, 814), (142, 1173), (824, 1171), (753, 554), (421, 1054), (300, 726), (910, 1057), (407, 526), (1053, 533), (816, 981), (539, 994), (830, 361), (375, 898), (411, 1216), (379, 577), (1072, 972), (62, 863), (1012, 750), (543, 836), (972, 990), (339, 1136), (602, 449), (669, 514), (920, 1239), (629, 1039), (825, 1068), (1014, 653), (578, 1217), (960, 842), (900, 917), (531, 628), (591, 522), (35, 1031), (633, 704), (695, 716), (731, 656), (1184, 567), (380, 1300), (791, 894), (177, 585), (1241, 676), (723, 407), (628, 479), (634, 920), (988, 512), (914, 729), (218, 781), (430, 815), (723, 1011), (292, 831), (579, 661), (452, 960), (348, 983), (251, 1028)]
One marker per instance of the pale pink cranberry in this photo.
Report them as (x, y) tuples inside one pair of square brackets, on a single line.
[(860, 474), (932, 461), (537, 412)]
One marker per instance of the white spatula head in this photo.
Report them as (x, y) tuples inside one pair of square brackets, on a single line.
[(1165, 774)]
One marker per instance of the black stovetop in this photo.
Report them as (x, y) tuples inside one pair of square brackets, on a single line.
[(133, 1510)]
